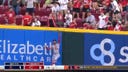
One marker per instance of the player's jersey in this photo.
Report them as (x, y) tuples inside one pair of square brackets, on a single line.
[(55, 48)]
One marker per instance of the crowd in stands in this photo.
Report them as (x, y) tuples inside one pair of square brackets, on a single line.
[(83, 14)]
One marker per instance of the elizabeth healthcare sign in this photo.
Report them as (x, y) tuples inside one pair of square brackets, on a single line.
[(27, 46)]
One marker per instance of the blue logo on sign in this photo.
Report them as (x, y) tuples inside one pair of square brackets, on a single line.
[(104, 52)]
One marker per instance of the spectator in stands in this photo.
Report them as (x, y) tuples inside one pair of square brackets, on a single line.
[(76, 7), (115, 7), (114, 20), (126, 18), (68, 19), (47, 3), (30, 6), (63, 6), (22, 3), (115, 10), (59, 19), (70, 5), (16, 6), (1, 2), (85, 25), (118, 26), (120, 6), (102, 21), (110, 26), (86, 7), (95, 5), (126, 7), (27, 19), (73, 24), (107, 5), (10, 17), (55, 8), (38, 3), (51, 21), (36, 23), (54, 0), (90, 19), (8, 1)]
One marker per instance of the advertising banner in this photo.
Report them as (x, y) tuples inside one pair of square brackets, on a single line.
[(105, 50), (30, 46)]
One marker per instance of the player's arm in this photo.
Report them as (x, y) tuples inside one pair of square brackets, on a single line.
[(59, 38)]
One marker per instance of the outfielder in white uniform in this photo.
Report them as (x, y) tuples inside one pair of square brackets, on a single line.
[(55, 49)]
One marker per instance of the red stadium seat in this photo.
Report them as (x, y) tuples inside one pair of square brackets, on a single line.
[(43, 12), (22, 11), (19, 19), (90, 27), (1, 10), (96, 16), (79, 22), (2, 19), (40, 12), (85, 25)]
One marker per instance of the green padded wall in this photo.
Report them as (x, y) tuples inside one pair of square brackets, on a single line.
[(73, 48)]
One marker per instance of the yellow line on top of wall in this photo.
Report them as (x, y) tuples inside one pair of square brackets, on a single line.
[(64, 30)]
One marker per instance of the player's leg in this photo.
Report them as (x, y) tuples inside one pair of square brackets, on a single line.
[(55, 58)]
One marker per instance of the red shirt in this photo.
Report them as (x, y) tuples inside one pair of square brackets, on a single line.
[(27, 19), (110, 28), (124, 3), (73, 25), (11, 17), (60, 17), (107, 2), (87, 3), (77, 4), (118, 27)]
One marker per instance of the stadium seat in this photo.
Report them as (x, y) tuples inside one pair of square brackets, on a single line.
[(85, 25), (1, 10), (40, 12), (79, 22), (22, 11), (96, 16), (19, 19), (2, 19)]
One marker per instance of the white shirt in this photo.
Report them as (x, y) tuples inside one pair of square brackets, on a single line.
[(69, 20), (63, 4), (102, 21), (55, 8), (30, 3), (91, 19), (36, 23), (115, 5), (117, 27)]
